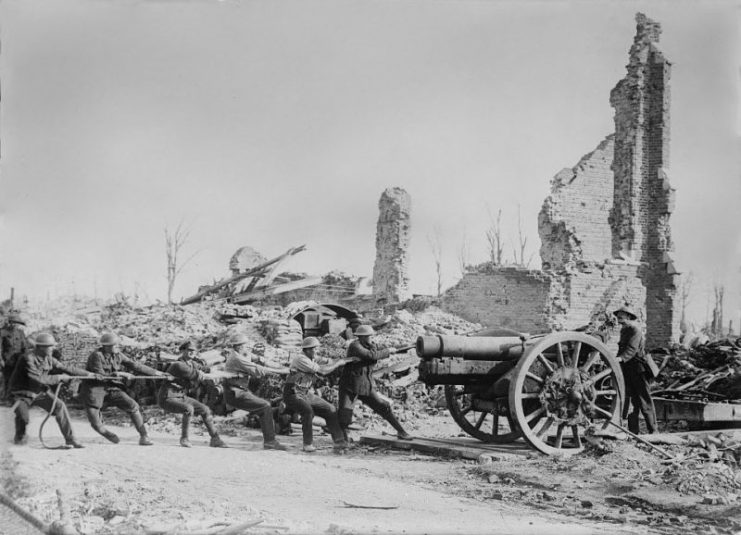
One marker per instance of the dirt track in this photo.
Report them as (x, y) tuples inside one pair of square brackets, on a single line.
[(127, 488)]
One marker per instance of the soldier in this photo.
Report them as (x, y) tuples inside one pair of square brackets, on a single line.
[(297, 394), (356, 382), (189, 373), (34, 374), (107, 360), (13, 345), (631, 354), (236, 389)]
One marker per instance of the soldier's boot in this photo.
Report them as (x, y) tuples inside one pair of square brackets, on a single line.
[(138, 421), (93, 416), (216, 441), (400, 431), (184, 442), (344, 417)]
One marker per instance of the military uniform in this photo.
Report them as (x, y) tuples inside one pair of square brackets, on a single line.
[(631, 353), (297, 396), (30, 385), (95, 394), (13, 346), (356, 382), (173, 397)]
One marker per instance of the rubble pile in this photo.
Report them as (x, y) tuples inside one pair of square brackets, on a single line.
[(711, 370)]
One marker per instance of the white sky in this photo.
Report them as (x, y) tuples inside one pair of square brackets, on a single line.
[(278, 123)]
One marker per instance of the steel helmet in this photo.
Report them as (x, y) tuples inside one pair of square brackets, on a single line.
[(16, 318), (45, 339), (364, 330), (108, 339), (238, 339), (627, 310), (309, 342)]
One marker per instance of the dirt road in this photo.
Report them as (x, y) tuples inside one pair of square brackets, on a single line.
[(127, 488)]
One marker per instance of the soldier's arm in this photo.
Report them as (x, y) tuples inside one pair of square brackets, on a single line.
[(239, 364), (57, 366), (95, 364), (630, 346), (137, 367)]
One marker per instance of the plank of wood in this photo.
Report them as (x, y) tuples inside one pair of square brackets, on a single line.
[(446, 448)]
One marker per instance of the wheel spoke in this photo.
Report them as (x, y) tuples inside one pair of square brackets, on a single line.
[(481, 420), (495, 423), (533, 415), (601, 375), (548, 365), (559, 436), (593, 356), (575, 355), (467, 410), (530, 395), (546, 426), (559, 355), (577, 438), (605, 393), (535, 378)]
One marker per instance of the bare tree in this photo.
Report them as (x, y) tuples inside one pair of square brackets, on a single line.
[(434, 241), (174, 242), (494, 238), (685, 290), (520, 260), (717, 326), (463, 254)]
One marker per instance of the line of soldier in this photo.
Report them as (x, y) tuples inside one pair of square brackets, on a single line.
[(32, 374)]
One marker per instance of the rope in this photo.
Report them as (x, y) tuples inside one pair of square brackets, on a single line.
[(51, 411)]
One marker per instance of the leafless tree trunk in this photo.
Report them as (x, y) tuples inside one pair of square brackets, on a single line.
[(494, 238), (434, 241), (717, 325), (520, 261), (463, 254), (685, 289), (174, 242)]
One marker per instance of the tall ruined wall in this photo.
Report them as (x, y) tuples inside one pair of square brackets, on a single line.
[(511, 297), (605, 226), (573, 223), (644, 197), (390, 275)]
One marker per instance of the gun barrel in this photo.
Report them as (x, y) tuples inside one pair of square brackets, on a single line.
[(500, 348)]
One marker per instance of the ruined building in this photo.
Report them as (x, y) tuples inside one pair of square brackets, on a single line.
[(390, 277), (605, 226)]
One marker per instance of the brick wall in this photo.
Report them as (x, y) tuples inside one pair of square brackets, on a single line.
[(515, 298)]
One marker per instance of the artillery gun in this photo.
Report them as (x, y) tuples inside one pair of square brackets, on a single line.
[(550, 389)]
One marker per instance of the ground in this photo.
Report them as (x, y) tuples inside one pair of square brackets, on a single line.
[(127, 488)]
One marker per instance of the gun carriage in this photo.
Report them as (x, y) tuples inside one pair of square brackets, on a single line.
[(550, 389)]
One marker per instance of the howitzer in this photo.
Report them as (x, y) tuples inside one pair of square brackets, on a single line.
[(549, 389)]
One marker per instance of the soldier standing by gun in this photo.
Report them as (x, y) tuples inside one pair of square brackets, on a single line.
[(631, 355), (297, 394), (356, 382), (13, 346), (237, 392), (107, 360), (173, 397), (34, 374)]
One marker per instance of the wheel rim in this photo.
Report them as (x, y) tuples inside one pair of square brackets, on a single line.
[(488, 421), (554, 399)]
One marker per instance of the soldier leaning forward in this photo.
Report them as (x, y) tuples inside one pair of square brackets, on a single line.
[(108, 361), (356, 382), (237, 392), (188, 373), (30, 385), (297, 394), (13, 346)]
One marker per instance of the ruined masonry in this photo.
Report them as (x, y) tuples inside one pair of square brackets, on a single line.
[(390, 277), (605, 226)]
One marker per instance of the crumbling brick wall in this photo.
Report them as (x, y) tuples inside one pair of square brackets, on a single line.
[(573, 222), (511, 297), (605, 226), (390, 276)]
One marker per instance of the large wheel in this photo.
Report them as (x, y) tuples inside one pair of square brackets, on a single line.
[(488, 421), (564, 384)]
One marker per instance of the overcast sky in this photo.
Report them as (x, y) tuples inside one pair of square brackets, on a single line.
[(278, 123)]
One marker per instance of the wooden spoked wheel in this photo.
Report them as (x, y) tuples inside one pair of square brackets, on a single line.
[(488, 421), (564, 384)]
